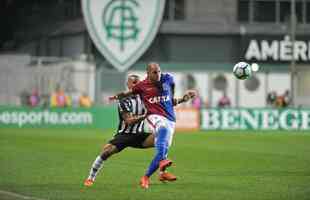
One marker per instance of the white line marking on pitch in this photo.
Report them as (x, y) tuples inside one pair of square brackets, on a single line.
[(13, 194)]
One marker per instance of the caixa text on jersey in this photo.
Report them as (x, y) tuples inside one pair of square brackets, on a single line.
[(159, 99)]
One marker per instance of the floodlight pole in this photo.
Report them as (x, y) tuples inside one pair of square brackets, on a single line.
[(293, 62)]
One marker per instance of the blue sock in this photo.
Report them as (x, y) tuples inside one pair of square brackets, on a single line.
[(162, 142), (161, 150)]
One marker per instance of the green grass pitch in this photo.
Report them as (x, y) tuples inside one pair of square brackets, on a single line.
[(51, 164)]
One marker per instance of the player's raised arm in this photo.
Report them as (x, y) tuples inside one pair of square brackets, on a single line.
[(130, 119), (120, 95), (190, 94), (128, 114), (133, 86)]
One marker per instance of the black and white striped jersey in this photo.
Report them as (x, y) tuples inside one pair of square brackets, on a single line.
[(132, 105)]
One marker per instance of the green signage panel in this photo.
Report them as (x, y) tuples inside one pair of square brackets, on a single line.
[(95, 117), (106, 118)]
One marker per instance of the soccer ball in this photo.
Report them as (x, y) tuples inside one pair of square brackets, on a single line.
[(242, 70)]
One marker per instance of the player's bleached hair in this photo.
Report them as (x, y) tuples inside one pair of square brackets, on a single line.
[(134, 77)]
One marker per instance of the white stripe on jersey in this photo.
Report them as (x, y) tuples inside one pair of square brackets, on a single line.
[(136, 105), (136, 112), (142, 109)]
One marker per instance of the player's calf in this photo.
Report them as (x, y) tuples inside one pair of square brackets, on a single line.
[(98, 163), (108, 150)]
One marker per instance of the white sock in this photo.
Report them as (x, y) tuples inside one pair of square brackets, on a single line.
[(96, 166)]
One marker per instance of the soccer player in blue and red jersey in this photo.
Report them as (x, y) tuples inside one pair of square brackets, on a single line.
[(157, 93)]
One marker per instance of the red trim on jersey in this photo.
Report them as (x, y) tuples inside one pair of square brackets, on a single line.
[(150, 122)]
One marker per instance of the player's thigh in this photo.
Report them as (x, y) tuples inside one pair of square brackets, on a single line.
[(157, 122), (137, 140), (122, 141), (171, 130), (148, 142), (154, 122)]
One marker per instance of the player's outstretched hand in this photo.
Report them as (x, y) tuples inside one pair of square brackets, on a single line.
[(189, 95), (112, 98), (192, 93)]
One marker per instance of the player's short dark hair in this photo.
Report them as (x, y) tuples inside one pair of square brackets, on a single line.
[(134, 77)]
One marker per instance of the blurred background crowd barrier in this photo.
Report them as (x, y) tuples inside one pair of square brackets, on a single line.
[(49, 60)]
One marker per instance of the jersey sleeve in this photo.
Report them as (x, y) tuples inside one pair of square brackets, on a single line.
[(170, 79), (124, 106)]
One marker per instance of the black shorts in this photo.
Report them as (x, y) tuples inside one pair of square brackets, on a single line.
[(123, 140)]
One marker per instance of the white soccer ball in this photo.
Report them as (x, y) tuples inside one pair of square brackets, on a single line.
[(242, 70)]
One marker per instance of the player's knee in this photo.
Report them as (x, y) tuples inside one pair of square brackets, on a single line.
[(148, 142), (108, 150)]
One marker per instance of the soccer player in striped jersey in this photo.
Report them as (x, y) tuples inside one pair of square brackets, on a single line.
[(130, 133), (157, 93)]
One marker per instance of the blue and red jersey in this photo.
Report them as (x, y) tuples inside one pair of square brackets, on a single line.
[(157, 98)]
